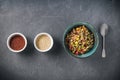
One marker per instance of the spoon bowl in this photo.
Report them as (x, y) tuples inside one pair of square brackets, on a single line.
[(104, 29)]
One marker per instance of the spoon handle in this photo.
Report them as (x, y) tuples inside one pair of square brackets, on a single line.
[(103, 53), (103, 50)]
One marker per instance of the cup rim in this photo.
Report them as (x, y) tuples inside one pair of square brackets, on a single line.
[(43, 33), (12, 35)]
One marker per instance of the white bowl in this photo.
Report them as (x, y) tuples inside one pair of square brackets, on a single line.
[(12, 35), (51, 40)]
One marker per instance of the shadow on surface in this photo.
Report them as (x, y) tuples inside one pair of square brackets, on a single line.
[(56, 49), (29, 51)]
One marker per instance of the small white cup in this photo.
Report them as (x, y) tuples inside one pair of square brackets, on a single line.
[(11, 36), (51, 41)]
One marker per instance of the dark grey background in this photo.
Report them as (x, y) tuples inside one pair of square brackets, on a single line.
[(53, 16)]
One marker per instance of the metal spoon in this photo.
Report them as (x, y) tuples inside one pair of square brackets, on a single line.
[(103, 31)]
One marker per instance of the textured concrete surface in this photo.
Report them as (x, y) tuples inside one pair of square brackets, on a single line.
[(53, 16)]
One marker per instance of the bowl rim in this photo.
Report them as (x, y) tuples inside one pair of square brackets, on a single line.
[(12, 35), (92, 29), (51, 39)]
